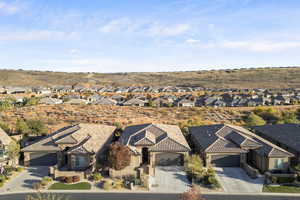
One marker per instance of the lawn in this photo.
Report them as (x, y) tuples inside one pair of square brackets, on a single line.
[(76, 186), (282, 189)]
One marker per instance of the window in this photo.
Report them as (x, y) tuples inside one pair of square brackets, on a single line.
[(279, 163), (81, 161), (1, 153)]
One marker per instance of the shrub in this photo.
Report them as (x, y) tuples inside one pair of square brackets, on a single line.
[(47, 179), (213, 181), (118, 156), (118, 184), (97, 177), (19, 169), (1, 184), (274, 179), (107, 185), (255, 120), (76, 179), (282, 180), (69, 179)]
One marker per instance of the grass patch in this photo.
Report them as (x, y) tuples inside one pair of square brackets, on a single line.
[(281, 189), (76, 186)]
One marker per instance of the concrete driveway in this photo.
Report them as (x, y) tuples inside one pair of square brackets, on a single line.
[(235, 180), (170, 179), (25, 180)]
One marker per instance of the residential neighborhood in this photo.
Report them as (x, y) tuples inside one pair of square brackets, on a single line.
[(218, 158)]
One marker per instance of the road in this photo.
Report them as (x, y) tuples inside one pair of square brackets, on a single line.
[(149, 196)]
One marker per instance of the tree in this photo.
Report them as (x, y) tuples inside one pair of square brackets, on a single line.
[(194, 167), (255, 120), (36, 127), (118, 156), (22, 127), (5, 127), (13, 152), (192, 194)]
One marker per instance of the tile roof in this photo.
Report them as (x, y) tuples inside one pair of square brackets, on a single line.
[(287, 134), (164, 137), (91, 136), (229, 138)]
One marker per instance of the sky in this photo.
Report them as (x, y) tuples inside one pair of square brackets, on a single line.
[(148, 35)]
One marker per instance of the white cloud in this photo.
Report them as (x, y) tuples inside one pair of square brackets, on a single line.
[(36, 35), (192, 41), (9, 8), (172, 30), (117, 25), (123, 25), (258, 46)]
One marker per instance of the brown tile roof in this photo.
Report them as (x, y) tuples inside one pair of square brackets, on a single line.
[(91, 136), (164, 136)]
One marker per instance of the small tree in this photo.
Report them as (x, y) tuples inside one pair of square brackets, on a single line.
[(5, 127), (13, 152), (36, 127), (192, 194), (255, 120), (22, 127), (118, 156)]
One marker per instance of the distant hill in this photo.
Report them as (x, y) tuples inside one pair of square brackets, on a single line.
[(233, 78)]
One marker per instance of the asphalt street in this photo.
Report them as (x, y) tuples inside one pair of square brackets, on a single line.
[(151, 196)]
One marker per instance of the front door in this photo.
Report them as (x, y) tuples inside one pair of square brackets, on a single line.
[(145, 156)]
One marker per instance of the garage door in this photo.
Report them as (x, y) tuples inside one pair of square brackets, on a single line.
[(226, 160), (167, 159), (43, 159)]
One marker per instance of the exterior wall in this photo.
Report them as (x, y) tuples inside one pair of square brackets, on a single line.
[(26, 159)]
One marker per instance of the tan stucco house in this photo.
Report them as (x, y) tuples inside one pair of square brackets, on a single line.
[(154, 145), (224, 145), (75, 147)]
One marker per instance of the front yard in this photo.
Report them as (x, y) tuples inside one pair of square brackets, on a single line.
[(75, 186), (281, 189)]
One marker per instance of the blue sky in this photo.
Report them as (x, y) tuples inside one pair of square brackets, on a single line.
[(148, 35)]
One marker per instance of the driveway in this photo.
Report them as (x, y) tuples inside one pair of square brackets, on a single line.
[(25, 180), (170, 179), (235, 180)]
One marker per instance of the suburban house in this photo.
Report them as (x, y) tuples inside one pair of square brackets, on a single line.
[(50, 101), (224, 145), (154, 145), (5, 140), (287, 136), (134, 102), (72, 148)]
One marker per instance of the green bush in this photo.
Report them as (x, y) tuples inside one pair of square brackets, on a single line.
[(282, 180), (19, 169), (213, 181), (1, 184), (47, 179), (97, 177)]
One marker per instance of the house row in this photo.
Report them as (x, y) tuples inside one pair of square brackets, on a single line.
[(81, 88), (187, 100), (79, 147)]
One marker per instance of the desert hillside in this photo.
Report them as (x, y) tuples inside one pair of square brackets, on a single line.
[(239, 78)]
